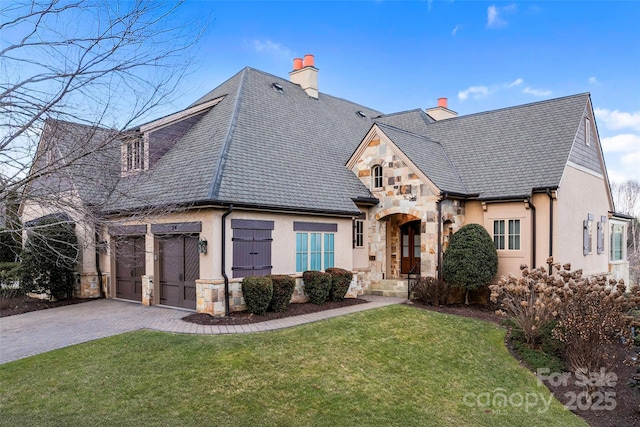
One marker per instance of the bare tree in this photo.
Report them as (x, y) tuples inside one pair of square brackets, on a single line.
[(96, 66)]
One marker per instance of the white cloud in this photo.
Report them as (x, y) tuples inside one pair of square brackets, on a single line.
[(614, 119), (455, 30), (516, 82), (536, 92), (632, 160), (593, 80), (269, 47), (621, 142), (495, 15), (622, 153), (476, 92)]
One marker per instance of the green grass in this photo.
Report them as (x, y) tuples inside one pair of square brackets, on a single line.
[(395, 366)]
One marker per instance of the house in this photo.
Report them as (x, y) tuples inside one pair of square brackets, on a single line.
[(265, 175)]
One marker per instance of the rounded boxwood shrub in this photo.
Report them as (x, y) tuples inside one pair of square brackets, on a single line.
[(257, 293), (282, 291), (340, 281), (471, 260), (317, 286), (49, 257)]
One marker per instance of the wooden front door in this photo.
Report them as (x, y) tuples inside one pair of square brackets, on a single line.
[(179, 269), (130, 256), (410, 247)]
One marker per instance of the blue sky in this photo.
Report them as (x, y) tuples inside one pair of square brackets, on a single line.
[(396, 56)]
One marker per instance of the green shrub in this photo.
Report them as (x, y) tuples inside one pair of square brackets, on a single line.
[(49, 258), (340, 281), (9, 276), (257, 293), (282, 291), (470, 260), (317, 286), (547, 356), (430, 290), (9, 245)]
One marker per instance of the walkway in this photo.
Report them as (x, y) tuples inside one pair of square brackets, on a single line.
[(37, 332)]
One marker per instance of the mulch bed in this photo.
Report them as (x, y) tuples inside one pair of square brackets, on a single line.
[(244, 318), (619, 407), (10, 306)]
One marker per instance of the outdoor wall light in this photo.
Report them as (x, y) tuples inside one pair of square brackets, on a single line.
[(202, 246)]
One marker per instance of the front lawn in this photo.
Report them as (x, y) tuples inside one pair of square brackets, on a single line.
[(391, 366)]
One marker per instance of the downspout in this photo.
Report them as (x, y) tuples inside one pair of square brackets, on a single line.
[(97, 240), (550, 230), (444, 197), (223, 252), (533, 231)]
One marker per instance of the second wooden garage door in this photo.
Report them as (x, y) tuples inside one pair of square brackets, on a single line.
[(179, 269)]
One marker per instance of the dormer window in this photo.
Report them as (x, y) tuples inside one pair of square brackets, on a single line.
[(134, 155), (376, 176)]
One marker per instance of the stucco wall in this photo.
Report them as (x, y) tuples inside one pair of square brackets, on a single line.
[(580, 194), (509, 261), (283, 245)]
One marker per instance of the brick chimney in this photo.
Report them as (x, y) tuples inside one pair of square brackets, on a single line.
[(305, 74), (441, 111)]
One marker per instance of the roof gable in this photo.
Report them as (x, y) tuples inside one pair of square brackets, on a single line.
[(509, 152)]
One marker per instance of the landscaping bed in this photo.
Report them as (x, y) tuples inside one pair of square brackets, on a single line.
[(10, 306), (625, 398), (244, 317)]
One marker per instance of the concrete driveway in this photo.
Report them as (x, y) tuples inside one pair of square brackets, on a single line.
[(37, 332)]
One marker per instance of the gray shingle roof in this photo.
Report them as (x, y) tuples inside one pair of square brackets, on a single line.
[(501, 153), (87, 158), (508, 152), (429, 156), (282, 149), (259, 147)]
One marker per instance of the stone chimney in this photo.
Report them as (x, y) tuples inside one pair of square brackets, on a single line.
[(305, 74), (441, 111)]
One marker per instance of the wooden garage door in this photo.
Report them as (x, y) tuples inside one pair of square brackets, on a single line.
[(129, 267), (179, 269)]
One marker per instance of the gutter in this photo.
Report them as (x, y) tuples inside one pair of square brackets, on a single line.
[(245, 206), (223, 256)]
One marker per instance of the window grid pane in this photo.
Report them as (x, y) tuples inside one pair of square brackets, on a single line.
[(514, 234), (316, 251), (359, 233), (329, 254), (498, 234), (302, 247)]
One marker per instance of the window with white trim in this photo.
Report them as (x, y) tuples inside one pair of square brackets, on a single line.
[(134, 155), (315, 251), (358, 233), (376, 176), (618, 244), (506, 234), (315, 245)]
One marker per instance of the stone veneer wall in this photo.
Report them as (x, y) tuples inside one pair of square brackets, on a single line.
[(210, 295), (89, 286), (404, 197)]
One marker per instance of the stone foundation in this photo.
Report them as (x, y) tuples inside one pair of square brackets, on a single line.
[(147, 290), (210, 296), (88, 286)]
